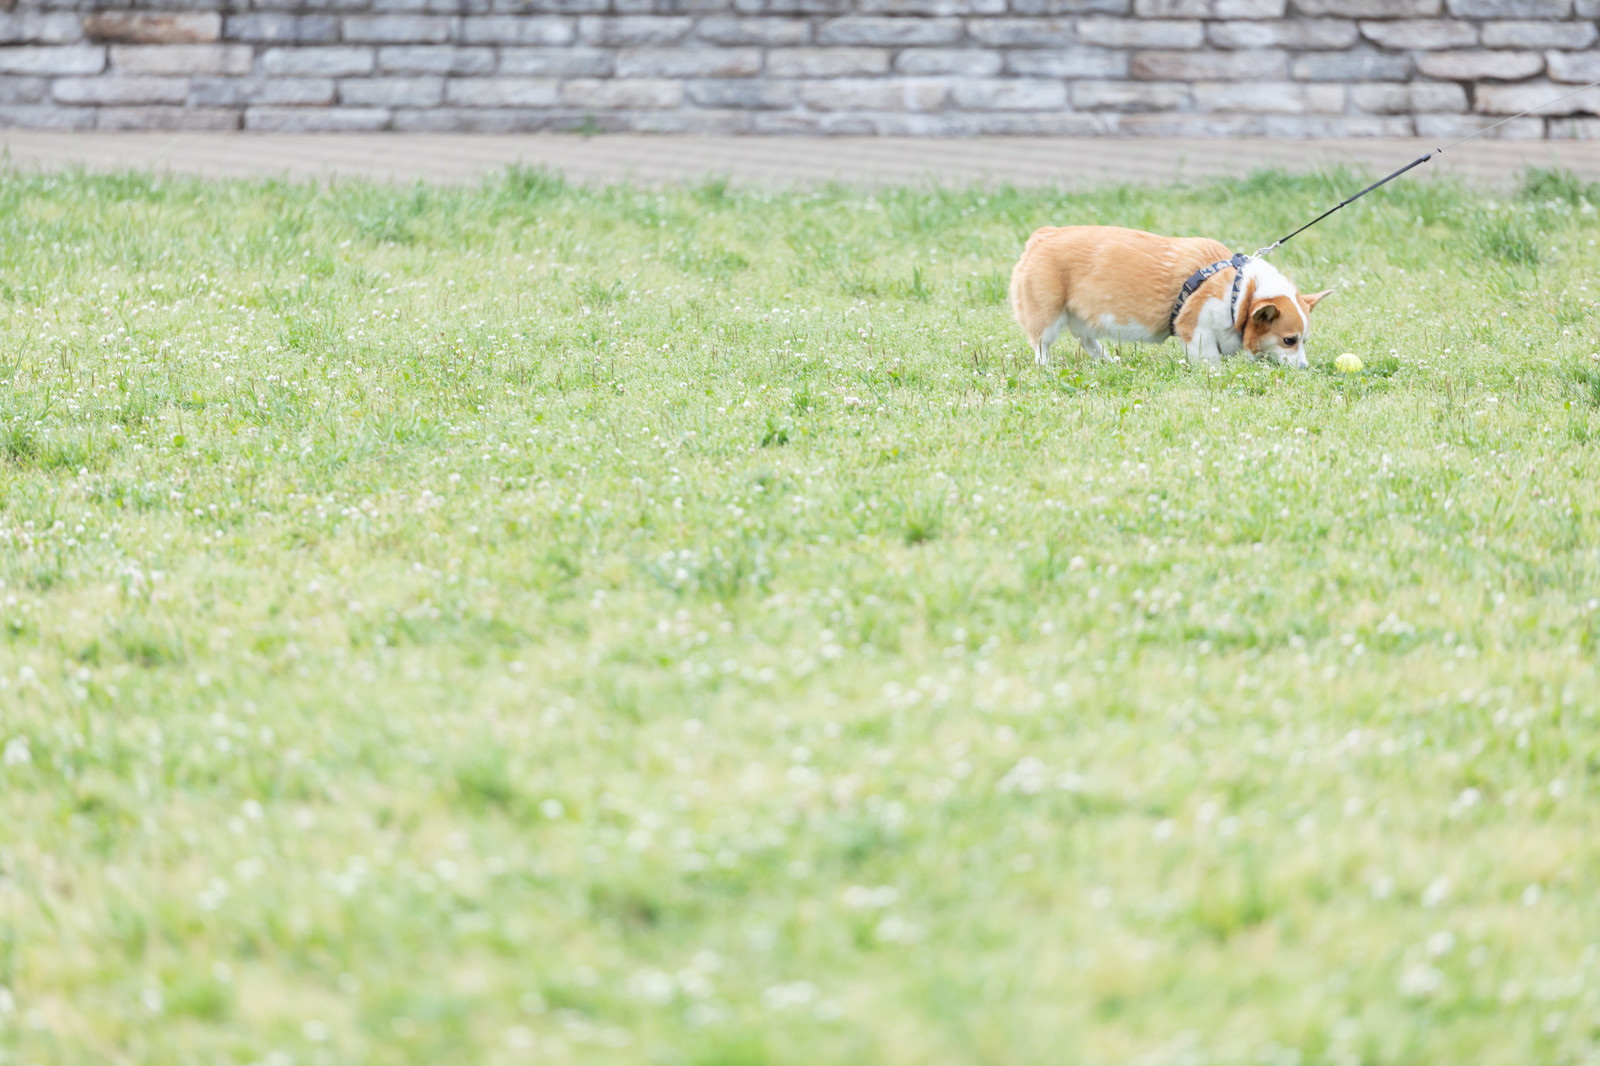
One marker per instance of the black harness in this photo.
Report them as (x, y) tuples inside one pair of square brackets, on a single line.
[(1199, 277)]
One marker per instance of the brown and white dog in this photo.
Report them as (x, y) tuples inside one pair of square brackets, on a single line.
[(1108, 283)]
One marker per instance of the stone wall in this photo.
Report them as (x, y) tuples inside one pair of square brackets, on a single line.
[(1281, 68)]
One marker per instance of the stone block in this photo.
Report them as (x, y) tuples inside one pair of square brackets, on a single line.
[(279, 28), (915, 124), (1371, 9), (316, 119), (518, 30), (1324, 127), (756, 94), (965, 62), (826, 62), (1283, 98), (1357, 64), (773, 32), (1449, 127), (616, 94), (1219, 66), (472, 120), (849, 94), (1212, 9), (154, 27), (503, 92), (1170, 125), (1559, 35), (1024, 33), (937, 8), (40, 27), (1514, 99), (326, 62), (111, 89), (1130, 96), (1008, 94), (166, 118), (182, 58), (435, 59), (574, 62), (1420, 34), (242, 92), (71, 59), (396, 29), (633, 30), (1068, 63), (688, 62), (1569, 129), (698, 123), (549, 7), (1574, 69), (1477, 66), (435, 7), (22, 90), (319, 6), (889, 32), (1284, 33), (792, 7), (1586, 9), (1141, 33), (46, 117), (1024, 124), (391, 92), (789, 124), (1071, 7), (1407, 98), (666, 7), (1510, 9)]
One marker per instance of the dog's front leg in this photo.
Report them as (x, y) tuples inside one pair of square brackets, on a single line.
[(1091, 347), (1202, 348)]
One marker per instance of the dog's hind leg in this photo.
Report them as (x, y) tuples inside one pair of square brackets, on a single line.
[(1090, 343), (1041, 345)]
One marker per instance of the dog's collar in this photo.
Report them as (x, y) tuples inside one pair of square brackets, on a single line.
[(1198, 278)]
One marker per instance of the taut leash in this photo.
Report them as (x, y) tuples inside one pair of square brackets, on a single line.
[(1417, 162)]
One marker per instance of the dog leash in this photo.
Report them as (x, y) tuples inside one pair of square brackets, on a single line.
[(1417, 162)]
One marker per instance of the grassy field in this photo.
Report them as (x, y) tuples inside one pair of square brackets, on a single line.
[(534, 624)]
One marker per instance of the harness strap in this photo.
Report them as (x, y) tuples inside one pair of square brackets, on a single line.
[(1198, 278)]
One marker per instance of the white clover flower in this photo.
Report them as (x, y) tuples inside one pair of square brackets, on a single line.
[(1420, 982), (788, 996), (1029, 777), (652, 986), (17, 752)]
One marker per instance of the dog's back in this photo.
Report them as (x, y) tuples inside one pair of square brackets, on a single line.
[(1104, 277)]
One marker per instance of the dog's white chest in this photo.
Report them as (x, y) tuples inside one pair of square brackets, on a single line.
[(1216, 320)]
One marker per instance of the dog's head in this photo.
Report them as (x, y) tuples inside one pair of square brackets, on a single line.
[(1275, 326)]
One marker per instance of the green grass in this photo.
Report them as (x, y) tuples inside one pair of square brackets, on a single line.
[(531, 623)]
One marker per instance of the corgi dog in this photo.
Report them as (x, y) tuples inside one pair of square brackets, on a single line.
[(1108, 283)]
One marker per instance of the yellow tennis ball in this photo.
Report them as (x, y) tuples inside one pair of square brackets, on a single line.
[(1348, 363)]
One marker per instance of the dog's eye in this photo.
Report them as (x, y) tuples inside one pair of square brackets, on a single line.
[(1292, 340)]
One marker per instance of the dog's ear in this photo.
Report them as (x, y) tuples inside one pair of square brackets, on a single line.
[(1267, 312), (1315, 298)]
